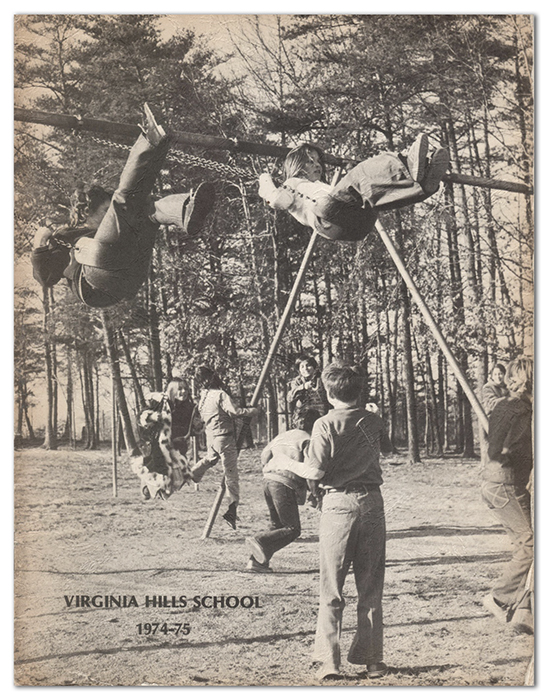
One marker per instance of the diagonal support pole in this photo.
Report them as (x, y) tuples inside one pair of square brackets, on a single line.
[(436, 332), (282, 325)]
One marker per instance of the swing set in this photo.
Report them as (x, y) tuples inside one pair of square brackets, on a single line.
[(113, 131)]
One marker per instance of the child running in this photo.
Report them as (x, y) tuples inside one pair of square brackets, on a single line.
[(218, 413), (348, 211), (344, 456), (284, 492)]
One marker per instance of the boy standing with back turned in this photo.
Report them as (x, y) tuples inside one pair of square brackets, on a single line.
[(344, 456)]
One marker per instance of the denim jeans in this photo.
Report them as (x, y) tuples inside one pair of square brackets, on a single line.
[(512, 508), (352, 531), (284, 516)]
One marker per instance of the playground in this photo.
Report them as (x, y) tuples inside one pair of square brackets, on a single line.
[(418, 271), (76, 539)]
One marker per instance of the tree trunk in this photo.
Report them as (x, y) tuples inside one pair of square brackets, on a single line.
[(50, 438), (87, 400), (29, 424), (140, 397), (129, 437), (70, 427), (154, 338), (408, 372), (437, 440), (409, 381)]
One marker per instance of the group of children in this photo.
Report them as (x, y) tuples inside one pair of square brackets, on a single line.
[(332, 451), (330, 459)]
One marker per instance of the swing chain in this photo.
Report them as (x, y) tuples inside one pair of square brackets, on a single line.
[(182, 158), (47, 174)]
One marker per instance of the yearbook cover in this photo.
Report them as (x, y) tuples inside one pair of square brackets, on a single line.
[(211, 213)]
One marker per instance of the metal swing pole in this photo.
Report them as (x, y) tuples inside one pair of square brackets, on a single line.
[(282, 325), (436, 332), (126, 132), (114, 439)]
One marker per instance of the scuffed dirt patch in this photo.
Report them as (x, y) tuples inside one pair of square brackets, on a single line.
[(75, 538)]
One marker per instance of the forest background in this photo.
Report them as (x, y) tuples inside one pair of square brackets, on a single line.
[(503, 169), (356, 85)]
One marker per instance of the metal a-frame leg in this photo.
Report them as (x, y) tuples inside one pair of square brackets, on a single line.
[(436, 332), (290, 305), (423, 307)]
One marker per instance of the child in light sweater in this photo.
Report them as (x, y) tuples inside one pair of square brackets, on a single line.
[(348, 211)]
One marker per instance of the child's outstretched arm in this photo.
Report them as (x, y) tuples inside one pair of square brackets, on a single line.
[(266, 455), (228, 407), (302, 469), (276, 197)]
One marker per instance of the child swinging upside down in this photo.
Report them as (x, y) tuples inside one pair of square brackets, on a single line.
[(348, 211)]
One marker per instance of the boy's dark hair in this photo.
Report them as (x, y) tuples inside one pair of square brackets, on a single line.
[(96, 197), (207, 378), (305, 419), (500, 367), (343, 382), (306, 358)]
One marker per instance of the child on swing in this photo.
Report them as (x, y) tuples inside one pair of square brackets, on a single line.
[(348, 211)]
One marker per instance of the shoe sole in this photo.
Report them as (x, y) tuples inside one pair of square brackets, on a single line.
[(377, 674), (230, 522), (152, 121), (491, 606), (256, 550), (198, 208), (330, 676), (258, 571), (437, 168), (522, 628), (417, 155)]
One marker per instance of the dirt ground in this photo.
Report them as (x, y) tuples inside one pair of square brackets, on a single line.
[(74, 538)]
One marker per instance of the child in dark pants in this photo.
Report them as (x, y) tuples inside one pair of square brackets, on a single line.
[(284, 492)]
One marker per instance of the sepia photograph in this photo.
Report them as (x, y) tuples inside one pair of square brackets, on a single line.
[(273, 350)]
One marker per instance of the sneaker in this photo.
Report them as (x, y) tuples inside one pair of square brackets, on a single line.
[(153, 132), (416, 158), (499, 612), (378, 670), (523, 622), (326, 672), (438, 166), (198, 207), (256, 567), (196, 477), (257, 550), (146, 493), (230, 516)]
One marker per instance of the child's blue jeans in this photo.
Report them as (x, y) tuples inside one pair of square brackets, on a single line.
[(284, 516), (512, 508), (352, 531)]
